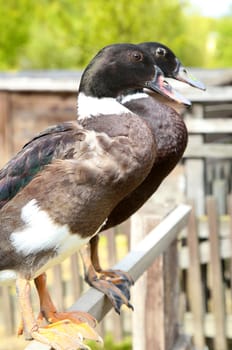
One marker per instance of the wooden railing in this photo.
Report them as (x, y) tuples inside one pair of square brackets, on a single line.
[(138, 260)]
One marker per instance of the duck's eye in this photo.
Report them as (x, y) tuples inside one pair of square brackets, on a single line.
[(137, 56), (160, 51)]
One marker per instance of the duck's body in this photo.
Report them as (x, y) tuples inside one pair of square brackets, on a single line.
[(72, 196), (60, 189)]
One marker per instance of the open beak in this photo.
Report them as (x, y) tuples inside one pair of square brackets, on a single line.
[(159, 85), (183, 75)]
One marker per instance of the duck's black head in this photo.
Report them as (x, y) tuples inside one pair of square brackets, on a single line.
[(121, 67), (115, 68), (171, 66)]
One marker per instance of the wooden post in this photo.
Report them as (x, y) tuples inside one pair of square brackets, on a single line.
[(195, 169), (112, 258), (7, 310), (58, 291), (75, 273), (5, 127), (229, 205), (218, 298), (155, 295), (195, 291)]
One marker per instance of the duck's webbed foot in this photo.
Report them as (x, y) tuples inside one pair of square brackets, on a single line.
[(115, 284), (65, 335), (64, 332)]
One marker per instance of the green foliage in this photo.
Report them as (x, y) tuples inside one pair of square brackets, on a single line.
[(14, 28), (66, 34), (109, 344), (223, 54)]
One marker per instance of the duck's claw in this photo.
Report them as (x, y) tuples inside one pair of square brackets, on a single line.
[(66, 335), (115, 284)]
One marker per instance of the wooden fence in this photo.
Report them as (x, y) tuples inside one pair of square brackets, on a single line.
[(205, 260), (208, 157)]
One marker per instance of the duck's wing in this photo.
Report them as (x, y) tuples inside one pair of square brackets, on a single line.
[(54, 142)]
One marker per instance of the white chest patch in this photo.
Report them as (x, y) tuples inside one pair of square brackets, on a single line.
[(40, 232), (88, 106)]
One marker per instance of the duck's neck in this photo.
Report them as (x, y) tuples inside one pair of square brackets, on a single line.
[(90, 106)]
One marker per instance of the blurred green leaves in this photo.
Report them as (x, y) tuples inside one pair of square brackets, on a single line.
[(66, 34)]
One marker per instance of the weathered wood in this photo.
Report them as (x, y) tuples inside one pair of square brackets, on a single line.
[(229, 210), (75, 273), (116, 322), (58, 291), (171, 295), (155, 294), (210, 330), (194, 171), (208, 126), (219, 191), (32, 113), (208, 150), (195, 168), (183, 343), (68, 82), (139, 290), (195, 288), (5, 128), (218, 298), (7, 310), (204, 251)]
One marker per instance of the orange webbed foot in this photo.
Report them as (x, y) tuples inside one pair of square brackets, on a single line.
[(66, 335)]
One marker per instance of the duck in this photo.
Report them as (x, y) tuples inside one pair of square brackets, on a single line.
[(58, 191), (163, 116)]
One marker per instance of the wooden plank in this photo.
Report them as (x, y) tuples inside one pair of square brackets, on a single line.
[(210, 330), (7, 310), (171, 296), (138, 292), (208, 126), (58, 291), (75, 273), (195, 167), (195, 292), (204, 251), (194, 171), (208, 150), (69, 83), (155, 295), (183, 342), (219, 191), (5, 128), (218, 298), (116, 321), (229, 209)]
